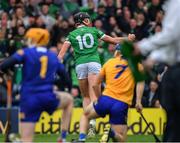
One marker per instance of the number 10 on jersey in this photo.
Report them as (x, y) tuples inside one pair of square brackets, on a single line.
[(83, 41)]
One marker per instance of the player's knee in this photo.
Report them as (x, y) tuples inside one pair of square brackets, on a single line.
[(70, 99), (86, 101), (122, 137), (27, 138), (86, 112)]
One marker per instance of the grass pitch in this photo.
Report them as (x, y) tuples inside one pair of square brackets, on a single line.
[(53, 138)]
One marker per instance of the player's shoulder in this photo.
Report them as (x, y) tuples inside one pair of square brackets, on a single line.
[(52, 54), (109, 62), (93, 29), (85, 28), (23, 51), (112, 60), (74, 31)]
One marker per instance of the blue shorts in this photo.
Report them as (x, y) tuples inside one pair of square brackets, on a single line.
[(116, 109), (31, 106)]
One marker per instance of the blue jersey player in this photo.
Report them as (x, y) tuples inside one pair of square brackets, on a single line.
[(39, 69)]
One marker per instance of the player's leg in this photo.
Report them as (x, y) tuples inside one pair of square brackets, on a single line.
[(91, 79), (94, 110), (27, 131), (120, 132), (89, 113), (83, 86), (66, 104), (30, 108), (93, 70), (118, 121), (82, 75)]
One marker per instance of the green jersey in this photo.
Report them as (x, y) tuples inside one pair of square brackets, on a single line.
[(84, 41)]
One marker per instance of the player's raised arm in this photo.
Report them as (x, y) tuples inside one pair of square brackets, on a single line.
[(117, 40), (64, 49)]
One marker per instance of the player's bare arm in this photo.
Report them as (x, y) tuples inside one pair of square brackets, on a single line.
[(117, 40), (64, 49), (139, 93)]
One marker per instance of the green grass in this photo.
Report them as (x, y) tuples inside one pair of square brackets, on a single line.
[(53, 137)]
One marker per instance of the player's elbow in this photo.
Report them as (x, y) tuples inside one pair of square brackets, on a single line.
[(110, 39)]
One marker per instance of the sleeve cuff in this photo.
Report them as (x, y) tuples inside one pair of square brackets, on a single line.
[(145, 46), (103, 36)]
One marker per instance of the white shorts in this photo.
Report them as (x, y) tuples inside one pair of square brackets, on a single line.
[(82, 70)]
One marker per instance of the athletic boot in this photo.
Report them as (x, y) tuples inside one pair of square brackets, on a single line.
[(105, 136), (14, 138), (92, 128), (60, 140)]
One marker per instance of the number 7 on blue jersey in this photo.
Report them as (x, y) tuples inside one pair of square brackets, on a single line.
[(123, 68)]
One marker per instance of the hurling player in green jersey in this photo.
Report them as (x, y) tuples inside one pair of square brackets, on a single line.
[(84, 41)]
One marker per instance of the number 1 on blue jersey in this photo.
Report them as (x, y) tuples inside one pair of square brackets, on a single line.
[(44, 62)]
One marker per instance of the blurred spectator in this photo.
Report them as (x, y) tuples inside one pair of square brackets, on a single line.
[(107, 54), (31, 7), (3, 43), (3, 92), (141, 7), (90, 9), (70, 7), (4, 22), (75, 92), (85, 3), (142, 26), (123, 19), (113, 29), (133, 26), (153, 9), (39, 22), (59, 31), (101, 15), (46, 17), (53, 8), (151, 97), (98, 24), (132, 4), (110, 8)]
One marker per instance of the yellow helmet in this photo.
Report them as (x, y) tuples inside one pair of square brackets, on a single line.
[(37, 36)]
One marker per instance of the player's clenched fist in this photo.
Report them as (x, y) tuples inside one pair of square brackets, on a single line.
[(131, 37)]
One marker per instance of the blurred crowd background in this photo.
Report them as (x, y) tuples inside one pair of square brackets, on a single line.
[(113, 17)]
